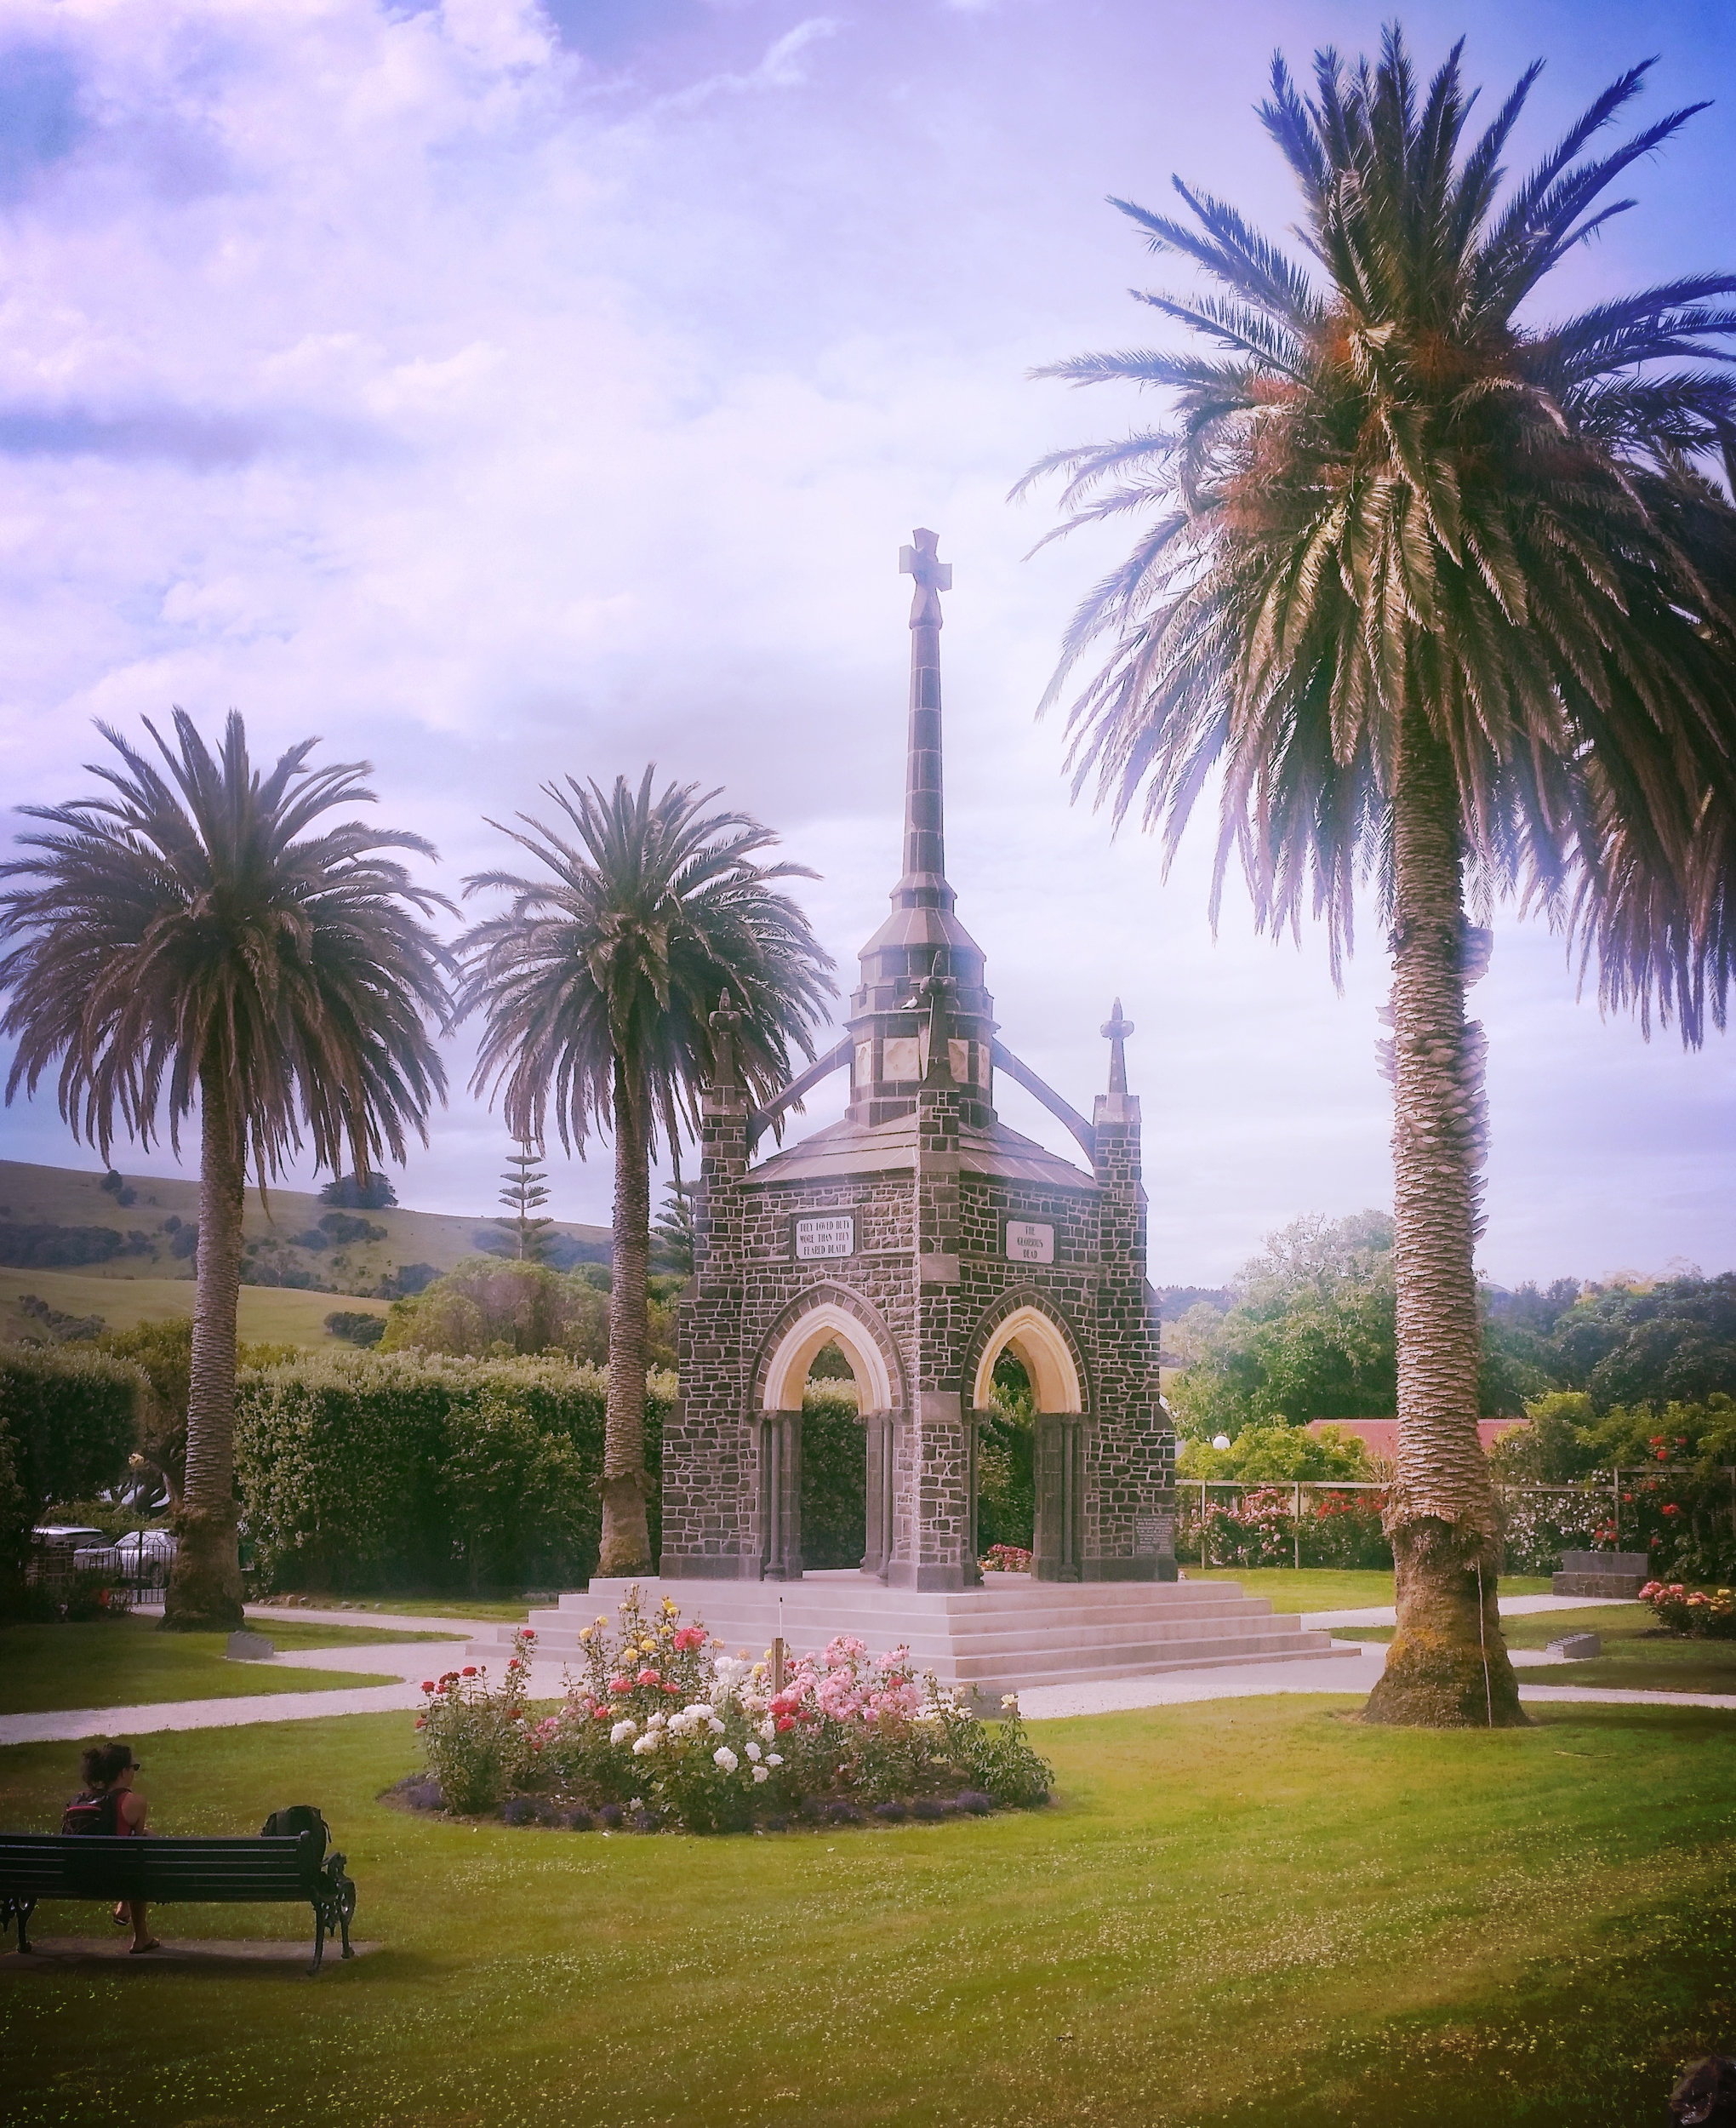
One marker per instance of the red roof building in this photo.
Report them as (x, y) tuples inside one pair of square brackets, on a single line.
[(1380, 1436)]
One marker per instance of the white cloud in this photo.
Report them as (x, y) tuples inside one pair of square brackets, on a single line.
[(384, 374)]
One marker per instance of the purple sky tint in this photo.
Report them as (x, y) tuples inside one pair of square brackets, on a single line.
[(499, 391)]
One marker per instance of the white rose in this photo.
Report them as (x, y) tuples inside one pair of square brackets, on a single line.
[(657, 1721), (714, 1726), (645, 1746), (759, 1774), (773, 1759), (724, 1756), (768, 1729), (622, 1731), (753, 1753)]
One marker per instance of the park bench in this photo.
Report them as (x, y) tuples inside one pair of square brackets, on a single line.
[(37, 1866)]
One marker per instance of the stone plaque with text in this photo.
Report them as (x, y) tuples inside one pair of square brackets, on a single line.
[(821, 1236), (1029, 1241), (1153, 1535)]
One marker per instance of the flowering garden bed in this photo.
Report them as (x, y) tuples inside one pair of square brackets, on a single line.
[(664, 1730), (1692, 1613)]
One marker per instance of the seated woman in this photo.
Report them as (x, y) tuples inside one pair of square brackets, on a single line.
[(110, 1807)]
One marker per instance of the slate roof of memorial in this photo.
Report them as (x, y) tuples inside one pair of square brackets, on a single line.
[(844, 1149)]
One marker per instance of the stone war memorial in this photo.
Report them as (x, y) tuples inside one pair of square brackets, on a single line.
[(924, 1237)]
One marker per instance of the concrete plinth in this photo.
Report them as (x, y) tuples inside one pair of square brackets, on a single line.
[(1011, 1634)]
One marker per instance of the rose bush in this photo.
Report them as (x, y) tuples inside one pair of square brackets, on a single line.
[(475, 1734), (664, 1721), (1693, 1613)]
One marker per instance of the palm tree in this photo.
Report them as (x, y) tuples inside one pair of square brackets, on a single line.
[(1435, 593), (598, 988), (185, 938)]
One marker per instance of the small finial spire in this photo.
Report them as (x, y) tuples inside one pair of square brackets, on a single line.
[(724, 1024), (936, 991), (933, 576), (1114, 1031)]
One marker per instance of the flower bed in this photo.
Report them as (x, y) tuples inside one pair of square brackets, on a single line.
[(1692, 1613), (663, 1728), (1005, 1558)]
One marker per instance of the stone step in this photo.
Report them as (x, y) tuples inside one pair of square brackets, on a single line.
[(924, 1636), (991, 1640), (1083, 1629), (1210, 1652)]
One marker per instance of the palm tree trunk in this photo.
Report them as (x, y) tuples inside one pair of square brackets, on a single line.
[(1448, 1666), (204, 1586), (626, 1534)]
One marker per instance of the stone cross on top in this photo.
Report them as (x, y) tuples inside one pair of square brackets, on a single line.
[(1114, 1031), (933, 576)]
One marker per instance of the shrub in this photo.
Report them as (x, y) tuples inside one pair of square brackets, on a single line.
[(356, 1326), (515, 1495), (72, 1416), (834, 1477), (476, 1737), (43, 1245), (342, 1460), (490, 1307), (376, 1194), (15, 1521), (1692, 1613), (661, 1713)]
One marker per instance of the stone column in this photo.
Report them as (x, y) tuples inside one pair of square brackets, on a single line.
[(1058, 1458), (1129, 1464), (780, 1495), (711, 1456)]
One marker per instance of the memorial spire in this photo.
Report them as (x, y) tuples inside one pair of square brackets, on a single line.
[(923, 883)]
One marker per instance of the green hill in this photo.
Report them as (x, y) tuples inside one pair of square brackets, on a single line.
[(78, 1248)]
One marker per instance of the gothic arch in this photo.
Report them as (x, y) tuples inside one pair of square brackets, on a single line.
[(1044, 1340), (817, 1317)]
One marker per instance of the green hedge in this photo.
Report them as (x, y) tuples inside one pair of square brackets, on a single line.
[(72, 1418), (834, 1477), (372, 1471)]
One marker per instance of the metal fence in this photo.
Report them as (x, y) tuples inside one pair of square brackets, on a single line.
[(1591, 1498), (139, 1571)]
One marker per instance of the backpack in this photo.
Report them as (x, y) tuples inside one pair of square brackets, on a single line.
[(294, 1819), (98, 1814)]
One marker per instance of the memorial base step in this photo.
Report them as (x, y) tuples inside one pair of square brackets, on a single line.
[(1009, 1637)]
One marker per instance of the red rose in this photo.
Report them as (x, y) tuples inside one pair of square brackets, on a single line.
[(427, 1684), (620, 1685), (515, 1664), (648, 1677), (469, 1670), (525, 1632), (599, 1713), (785, 1721), (676, 1689)]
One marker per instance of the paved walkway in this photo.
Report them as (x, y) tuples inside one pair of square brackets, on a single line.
[(410, 1661), (1328, 1674), (1509, 1607)]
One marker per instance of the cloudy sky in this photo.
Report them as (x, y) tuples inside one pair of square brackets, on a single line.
[(500, 391)]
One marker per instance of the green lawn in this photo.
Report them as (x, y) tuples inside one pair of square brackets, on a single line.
[(131, 1662), (506, 1610), (1251, 1911), (1327, 1589), (1632, 1658)]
